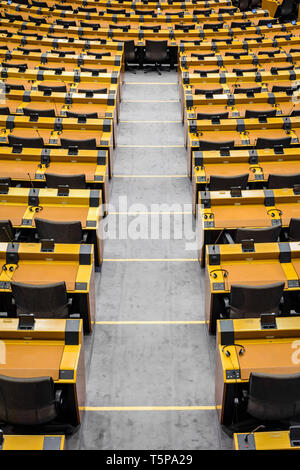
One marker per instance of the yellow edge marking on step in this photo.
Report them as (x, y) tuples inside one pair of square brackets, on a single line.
[(149, 408)]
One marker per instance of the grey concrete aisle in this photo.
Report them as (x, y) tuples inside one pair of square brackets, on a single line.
[(150, 361)]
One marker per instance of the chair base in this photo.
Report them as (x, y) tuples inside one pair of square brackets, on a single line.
[(129, 68), (157, 68)]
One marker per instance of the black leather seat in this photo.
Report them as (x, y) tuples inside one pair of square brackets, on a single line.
[(294, 230), (130, 55), (283, 181), (219, 183), (53, 180), (251, 301), (28, 401), (258, 235), (60, 232), (274, 397), (157, 53), (44, 301)]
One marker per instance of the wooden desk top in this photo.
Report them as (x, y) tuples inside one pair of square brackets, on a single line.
[(44, 273), (31, 442), (268, 357), (253, 272), (32, 359)]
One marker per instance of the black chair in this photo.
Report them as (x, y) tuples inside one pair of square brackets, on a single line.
[(53, 180), (294, 230), (7, 232), (259, 114), (44, 301), (82, 117), (52, 88), (274, 397), (283, 181), (208, 145), (251, 301), (26, 142), (4, 111), (213, 116), (244, 5), (219, 183), (258, 235), (211, 92), (39, 112), (5, 181), (30, 402), (264, 143), (84, 144), (60, 232), (287, 11), (130, 55), (156, 52), (239, 90)]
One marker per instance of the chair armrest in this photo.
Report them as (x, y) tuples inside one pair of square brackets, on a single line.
[(84, 238), (58, 399)]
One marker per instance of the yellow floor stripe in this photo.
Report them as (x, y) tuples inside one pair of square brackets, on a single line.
[(150, 176), (149, 259), (149, 408), (152, 322)]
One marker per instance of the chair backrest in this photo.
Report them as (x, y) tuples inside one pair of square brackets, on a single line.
[(156, 51), (6, 181), (294, 229), (44, 301), (259, 235), (53, 88), (6, 231), (39, 112), (218, 183), (81, 144), (274, 397), (129, 50), (251, 301), (253, 113), (283, 181), (73, 181), (32, 142), (60, 232), (27, 401)]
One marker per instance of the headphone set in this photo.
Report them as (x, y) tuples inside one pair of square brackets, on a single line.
[(228, 354), (272, 211), (214, 272), (35, 208)]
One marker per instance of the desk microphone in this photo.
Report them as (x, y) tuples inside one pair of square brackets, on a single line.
[(31, 182), (254, 430), (37, 131), (10, 238), (56, 111), (218, 238)]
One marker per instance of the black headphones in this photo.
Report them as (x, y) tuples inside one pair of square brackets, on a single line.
[(35, 208), (224, 271), (241, 351)]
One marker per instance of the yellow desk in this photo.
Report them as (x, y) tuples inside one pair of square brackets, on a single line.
[(16, 442)]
